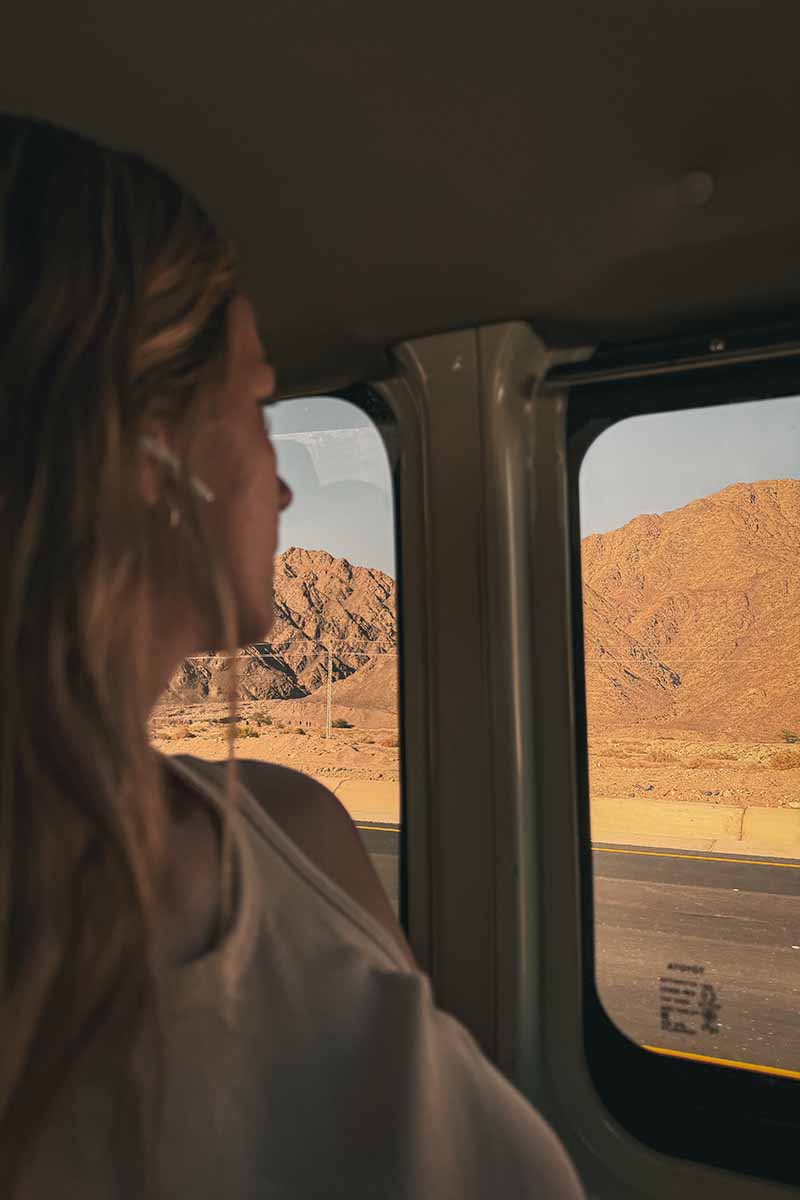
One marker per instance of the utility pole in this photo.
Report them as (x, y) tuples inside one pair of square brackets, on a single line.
[(328, 725)]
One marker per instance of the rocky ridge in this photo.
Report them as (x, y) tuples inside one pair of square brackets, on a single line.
[(692, 618), (320, 601), (691, 624)]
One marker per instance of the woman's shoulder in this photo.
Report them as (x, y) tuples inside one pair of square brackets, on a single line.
[(315, 821), (307, 812)]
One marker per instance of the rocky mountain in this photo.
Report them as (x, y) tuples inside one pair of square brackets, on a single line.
[(320, 602), (692, 618), (691, 622), (374, 686)]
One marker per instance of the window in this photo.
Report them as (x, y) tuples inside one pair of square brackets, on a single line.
[(691, 601), (686, 542), (319, 694)]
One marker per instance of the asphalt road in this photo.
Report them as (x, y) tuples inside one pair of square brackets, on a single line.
[(383, 845), (694, 952), (729, 924)]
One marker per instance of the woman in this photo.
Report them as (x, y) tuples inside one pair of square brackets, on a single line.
[(203, 989)]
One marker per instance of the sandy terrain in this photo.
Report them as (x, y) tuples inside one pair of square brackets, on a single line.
[(268, 731), (678, 766), (689, 767)]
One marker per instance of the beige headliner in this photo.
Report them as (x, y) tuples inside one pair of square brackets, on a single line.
[(391, 170)]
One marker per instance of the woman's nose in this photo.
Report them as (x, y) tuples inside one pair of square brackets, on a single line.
[(284, 495)]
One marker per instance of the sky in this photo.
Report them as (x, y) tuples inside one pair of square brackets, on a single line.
[(333, 458), (661, 461)]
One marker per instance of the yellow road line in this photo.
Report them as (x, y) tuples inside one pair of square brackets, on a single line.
[(724, 1062), (751, 862), (745, 862)]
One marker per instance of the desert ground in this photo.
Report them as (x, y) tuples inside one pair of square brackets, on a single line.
[(687, 766), (287, 732), (658, 766)]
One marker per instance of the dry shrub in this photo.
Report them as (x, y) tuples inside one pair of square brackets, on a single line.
[(724, 755), (177, 733), (390, 742), (785, 760), (299, 730), (244, 731), (662, 756)]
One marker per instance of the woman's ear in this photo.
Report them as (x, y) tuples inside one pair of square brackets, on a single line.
[(157, 454)]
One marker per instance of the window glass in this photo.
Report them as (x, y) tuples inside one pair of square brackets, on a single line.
[(690, 560), (319, 694)]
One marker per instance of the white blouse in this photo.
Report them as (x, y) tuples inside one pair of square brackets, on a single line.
[(307, 1059)]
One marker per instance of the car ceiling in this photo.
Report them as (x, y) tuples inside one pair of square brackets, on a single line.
[(606, 171)]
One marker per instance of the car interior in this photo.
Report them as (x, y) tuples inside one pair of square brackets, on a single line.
[(502, 234)]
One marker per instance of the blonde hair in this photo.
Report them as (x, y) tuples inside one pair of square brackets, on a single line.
[(114, 291)]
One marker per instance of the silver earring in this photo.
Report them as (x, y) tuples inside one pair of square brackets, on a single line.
[(201, 489), (160, 452), (165, 456)]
